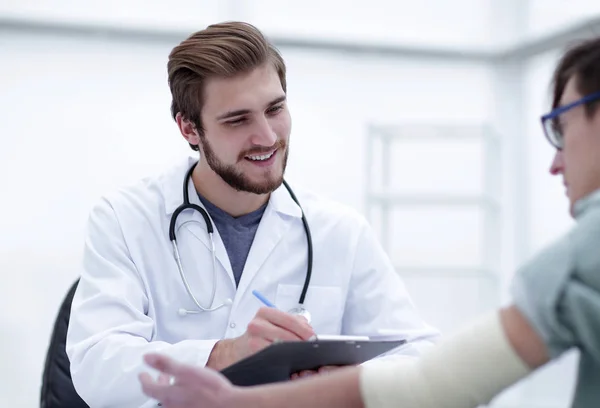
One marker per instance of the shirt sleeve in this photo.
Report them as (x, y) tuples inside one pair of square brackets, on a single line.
[(559, 290)]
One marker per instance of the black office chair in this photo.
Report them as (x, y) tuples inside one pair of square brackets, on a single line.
[(57, 386)]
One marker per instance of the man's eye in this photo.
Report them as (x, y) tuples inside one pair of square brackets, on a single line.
[(275, 109), (236, 122)]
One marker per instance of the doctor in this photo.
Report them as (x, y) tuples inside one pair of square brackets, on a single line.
[(159, 277)]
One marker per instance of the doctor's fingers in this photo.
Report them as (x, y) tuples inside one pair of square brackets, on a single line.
[(257, 343), (271, 332), (294, 324)]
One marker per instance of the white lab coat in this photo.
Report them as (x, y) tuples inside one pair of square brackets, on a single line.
[(130, 290)]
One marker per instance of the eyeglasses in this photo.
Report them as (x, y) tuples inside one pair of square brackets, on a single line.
[(551, 123)]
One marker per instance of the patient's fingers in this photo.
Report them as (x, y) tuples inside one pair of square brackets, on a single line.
[(170, 368), (182, 385)]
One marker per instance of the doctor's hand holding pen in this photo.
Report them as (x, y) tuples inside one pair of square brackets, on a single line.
[(268, 325)]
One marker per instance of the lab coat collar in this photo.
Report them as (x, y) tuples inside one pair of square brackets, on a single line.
[(172, 187), (281, 201)]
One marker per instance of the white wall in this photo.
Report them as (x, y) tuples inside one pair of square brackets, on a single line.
[(548, 206), (85, 116), (381, 21), (544, 16)]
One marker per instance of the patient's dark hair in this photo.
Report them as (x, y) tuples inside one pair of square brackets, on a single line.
[(581, 62)]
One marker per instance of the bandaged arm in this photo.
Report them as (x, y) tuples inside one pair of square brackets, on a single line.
[(466, 370)]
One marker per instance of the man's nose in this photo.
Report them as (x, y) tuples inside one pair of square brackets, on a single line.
[(263, 134)]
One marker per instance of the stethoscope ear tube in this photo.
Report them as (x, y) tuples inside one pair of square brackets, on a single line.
[(309, 245)]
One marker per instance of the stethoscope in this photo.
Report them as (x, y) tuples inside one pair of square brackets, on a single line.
[(298, 310)]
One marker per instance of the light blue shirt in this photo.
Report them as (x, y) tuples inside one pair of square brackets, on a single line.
[(559, 293), (237, 234)]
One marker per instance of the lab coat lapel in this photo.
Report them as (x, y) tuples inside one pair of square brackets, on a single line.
[(281, 213)]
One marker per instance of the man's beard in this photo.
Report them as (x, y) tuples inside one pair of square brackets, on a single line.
[(236, 178)]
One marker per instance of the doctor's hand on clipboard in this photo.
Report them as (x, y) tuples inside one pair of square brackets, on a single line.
[(268, 325)]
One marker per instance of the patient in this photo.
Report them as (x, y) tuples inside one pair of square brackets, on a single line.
[(556, 304)]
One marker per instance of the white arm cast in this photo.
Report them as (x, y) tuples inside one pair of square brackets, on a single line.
[(465, 370)]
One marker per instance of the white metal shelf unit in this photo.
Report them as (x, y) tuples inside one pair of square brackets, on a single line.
[(487, 200)]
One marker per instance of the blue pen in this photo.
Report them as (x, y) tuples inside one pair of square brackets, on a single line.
[(262, 298)]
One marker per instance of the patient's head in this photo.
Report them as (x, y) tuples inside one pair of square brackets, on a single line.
[(573, 126)]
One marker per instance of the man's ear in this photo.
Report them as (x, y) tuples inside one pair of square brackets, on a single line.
[(188, 129)]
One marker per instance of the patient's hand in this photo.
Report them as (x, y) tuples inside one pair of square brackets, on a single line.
[(306, 373), (191, 386)]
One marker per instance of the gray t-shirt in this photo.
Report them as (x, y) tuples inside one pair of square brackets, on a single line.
[(237, 234), (559, 293)]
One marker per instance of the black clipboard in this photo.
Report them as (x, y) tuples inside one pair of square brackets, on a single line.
[(279, 361)]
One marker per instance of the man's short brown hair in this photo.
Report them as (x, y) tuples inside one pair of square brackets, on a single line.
[(220, 51)]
